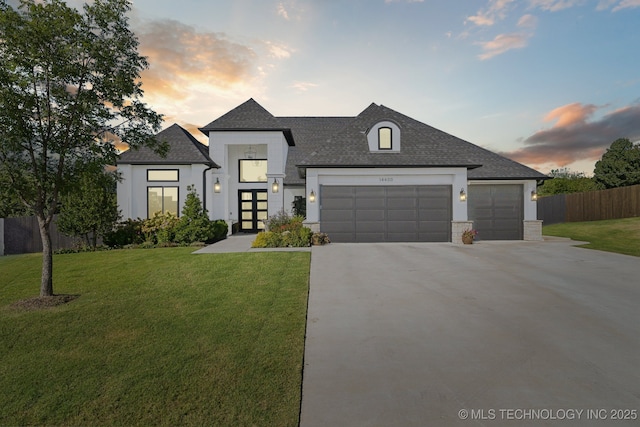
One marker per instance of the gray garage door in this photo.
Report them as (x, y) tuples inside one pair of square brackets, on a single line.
[(496, 211), (386, 214)]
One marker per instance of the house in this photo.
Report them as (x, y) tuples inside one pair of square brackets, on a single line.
[(377, 177), (152, 183)]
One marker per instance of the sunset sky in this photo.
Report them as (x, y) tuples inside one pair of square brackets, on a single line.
[(549, 83)]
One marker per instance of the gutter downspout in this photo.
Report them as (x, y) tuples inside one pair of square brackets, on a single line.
[(204, 187)]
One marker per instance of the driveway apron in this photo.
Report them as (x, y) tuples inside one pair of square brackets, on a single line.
[(495, 333)]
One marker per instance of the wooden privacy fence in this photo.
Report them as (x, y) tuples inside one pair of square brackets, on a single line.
[(22, 235), (615, 203)]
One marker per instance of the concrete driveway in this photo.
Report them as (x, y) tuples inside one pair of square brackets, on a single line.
[(496, 333)]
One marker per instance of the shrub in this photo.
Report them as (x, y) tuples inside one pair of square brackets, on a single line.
[(161, 228), (125, 233), (320, 239), (283, 231), (267, 239), (297, 238), (194, 224)]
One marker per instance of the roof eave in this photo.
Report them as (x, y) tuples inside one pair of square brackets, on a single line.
[(288, 135)]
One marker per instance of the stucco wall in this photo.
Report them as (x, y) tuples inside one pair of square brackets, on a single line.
[(132, 191)]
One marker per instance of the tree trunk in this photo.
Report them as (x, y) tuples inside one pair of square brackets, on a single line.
[(46, 281)]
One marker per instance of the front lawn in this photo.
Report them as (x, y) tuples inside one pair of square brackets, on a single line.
[(156, 337), (615, 235)]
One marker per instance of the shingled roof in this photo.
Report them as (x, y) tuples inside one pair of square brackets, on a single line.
[(421, 146), (342, 142), (249, 116), (184, 149)]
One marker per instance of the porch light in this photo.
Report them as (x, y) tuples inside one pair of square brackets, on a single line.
[(312, 197), (275, 186), (250, 153), (463, 195), (216, 186), (534, 196)]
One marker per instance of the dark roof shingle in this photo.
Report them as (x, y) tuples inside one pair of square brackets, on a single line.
[(183, 149)]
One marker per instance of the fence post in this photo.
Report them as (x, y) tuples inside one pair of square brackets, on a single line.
[(1, 236)]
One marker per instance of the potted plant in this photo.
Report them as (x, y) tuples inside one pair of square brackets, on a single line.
[(468, 235)]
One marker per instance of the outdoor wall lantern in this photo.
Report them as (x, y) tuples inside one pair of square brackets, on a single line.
[(312, 197), (216, 186), (534, 196), (463, 195), (275, 186)]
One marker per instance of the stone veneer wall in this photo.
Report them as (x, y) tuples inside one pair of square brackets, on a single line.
[(533, 230), (457, 227)]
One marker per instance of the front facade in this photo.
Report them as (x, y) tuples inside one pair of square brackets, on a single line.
[(377, 177)]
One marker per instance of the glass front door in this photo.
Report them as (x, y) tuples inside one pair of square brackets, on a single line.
[(253, 210)]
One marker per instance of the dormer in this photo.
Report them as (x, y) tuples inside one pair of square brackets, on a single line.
[(384, 137)]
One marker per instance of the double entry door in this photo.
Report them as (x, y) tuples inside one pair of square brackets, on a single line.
[(253, 210)]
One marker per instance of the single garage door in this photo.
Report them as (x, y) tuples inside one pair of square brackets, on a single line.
[(496, 211), (386, 214)]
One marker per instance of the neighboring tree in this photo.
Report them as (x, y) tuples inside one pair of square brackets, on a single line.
[(619, 166), (566, 181), (91, 210), (69, 88)]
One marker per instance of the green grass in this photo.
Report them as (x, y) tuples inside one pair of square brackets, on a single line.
[(157, 337), (616, 235)]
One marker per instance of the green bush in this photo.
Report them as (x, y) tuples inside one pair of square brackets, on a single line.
[(267, 239), (160, 229), (284, 231), (125, 233), (194, 224)]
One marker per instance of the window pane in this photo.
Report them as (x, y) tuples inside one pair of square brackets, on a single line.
[(247, 225), (162, 175), (260, 225), (247, 196), (262, 195), (262, 215), (262, 206), (171, 200), (253, 171), (384, 138), (247, 206), (154, 200), (247, 215)]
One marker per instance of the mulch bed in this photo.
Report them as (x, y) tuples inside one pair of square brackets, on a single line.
[(40, 303)]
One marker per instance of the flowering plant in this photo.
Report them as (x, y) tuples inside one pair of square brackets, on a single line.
[(469, 234)]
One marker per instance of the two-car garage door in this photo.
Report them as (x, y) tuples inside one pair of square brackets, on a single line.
[(386, 213)]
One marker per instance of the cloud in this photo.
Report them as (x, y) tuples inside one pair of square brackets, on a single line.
[(403, 1), (282, 11), (555, 5), (278, 51), (503, 43), (528, 21), (179, 55), (626, 4), (575, 136), (303, 86), (496, 10)]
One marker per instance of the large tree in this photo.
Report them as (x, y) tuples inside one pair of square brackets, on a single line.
[(69, 87), (619, 166)]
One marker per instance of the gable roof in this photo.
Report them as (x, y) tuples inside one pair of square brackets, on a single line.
[(184, 149), (421, 146), (341, 142), (249, 116)]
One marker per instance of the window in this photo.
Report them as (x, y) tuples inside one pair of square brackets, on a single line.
[(162, 199), (384, 138), (162, 175), (253, 170)]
